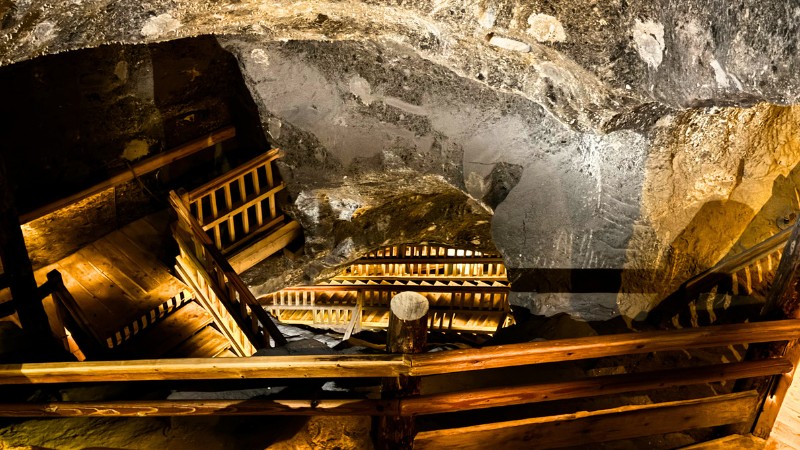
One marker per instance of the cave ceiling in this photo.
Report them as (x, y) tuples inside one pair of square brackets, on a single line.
[(579, 136)]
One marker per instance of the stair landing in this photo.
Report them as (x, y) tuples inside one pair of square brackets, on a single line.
[(119, 278)]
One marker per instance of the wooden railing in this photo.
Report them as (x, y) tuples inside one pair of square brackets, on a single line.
[(218, 287), (743, 273), (388, 365), (425, 261), (148, 319), (594, 426), (239, 205), (471, 306), (78, 334)]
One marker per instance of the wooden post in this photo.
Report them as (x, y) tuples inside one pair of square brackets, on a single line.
[(783, 302), (18, 269), (407, 334)]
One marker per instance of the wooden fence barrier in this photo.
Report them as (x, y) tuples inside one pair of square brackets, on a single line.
[(594, 426), (218, 287), (743, 273), (240, 207)]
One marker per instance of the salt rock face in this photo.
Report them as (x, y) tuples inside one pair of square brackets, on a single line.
[(394, 117)]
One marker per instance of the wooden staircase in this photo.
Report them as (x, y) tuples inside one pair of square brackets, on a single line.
[(467, 291)]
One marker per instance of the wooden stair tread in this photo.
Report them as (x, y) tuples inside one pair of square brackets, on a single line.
[(111, 248), (145, 260), (207, 343), (167, 334)]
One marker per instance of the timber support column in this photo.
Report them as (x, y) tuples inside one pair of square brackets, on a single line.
[(17, 267), (407, 334)]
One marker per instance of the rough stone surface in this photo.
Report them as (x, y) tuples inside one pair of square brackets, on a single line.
[(598, 137)]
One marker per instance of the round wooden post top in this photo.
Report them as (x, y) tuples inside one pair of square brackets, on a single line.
[(409, 306)]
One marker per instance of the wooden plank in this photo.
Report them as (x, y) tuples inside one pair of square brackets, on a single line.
[(601, 346), (101, 261), (264, 248), (205, 344), (255, 367), (590, 387), (169, 333), (143, 266), (137, 170), (583, 428), (170, 408), (109, 248), (95, 288)]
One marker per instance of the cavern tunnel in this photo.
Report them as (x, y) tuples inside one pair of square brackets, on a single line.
[(406, 224)]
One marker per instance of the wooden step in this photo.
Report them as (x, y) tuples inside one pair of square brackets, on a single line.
[(207, 343), (167, 334)]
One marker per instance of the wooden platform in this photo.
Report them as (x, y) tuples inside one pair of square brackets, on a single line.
[(118, 282)]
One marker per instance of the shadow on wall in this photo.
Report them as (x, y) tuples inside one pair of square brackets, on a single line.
[(82, 116)]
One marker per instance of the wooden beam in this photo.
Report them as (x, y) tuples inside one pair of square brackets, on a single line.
[(170, 408), (137, 170), (602, 346), (428, 404), (589, 387), (266, 247), (17, 269), (316, 366), (583, 428), (344, 366)]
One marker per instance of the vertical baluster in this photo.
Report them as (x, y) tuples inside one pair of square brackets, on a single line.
[(256, 191), (243, 196), (271, 183), (229, 205), (214, 215)]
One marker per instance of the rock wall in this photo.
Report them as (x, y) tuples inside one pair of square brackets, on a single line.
[(619, 145)]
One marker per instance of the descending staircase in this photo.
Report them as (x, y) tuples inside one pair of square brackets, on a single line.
[(738, 281), (467, 291)]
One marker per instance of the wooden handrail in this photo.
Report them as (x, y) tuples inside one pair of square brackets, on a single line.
[(420, 405), (139, 169), (410, 406), (216, 258), (735, 262), (355, 366)]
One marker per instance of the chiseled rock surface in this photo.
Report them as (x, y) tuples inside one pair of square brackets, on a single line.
[(626, 132)]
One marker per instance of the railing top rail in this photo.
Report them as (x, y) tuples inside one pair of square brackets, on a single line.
[(359, 366), (222, 263), (735, 262)]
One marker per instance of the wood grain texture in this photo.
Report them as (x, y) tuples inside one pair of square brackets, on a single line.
[(170, 408), (319, 366), (393, 365), (589, 387), (583, 428), (600, 346)]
